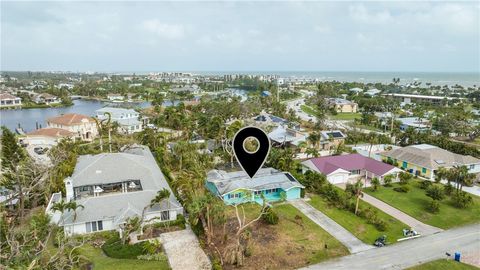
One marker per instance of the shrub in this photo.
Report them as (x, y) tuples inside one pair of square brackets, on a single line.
[(435, 192), (433, 206), (462, 199), (380, 224), (248, 251), (113, 248), (425, 184), (405, 178), (270, 216), (375, 183), (153, 257), (216, 264), (387, 181), (448, 189), (403, 189)]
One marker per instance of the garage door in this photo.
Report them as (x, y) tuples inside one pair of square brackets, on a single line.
[(337, 178)]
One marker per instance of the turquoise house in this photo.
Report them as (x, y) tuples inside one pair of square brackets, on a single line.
[(237, 187)]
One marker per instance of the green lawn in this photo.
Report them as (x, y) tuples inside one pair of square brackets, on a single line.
[(415, 201), (309, 235), (444, 264), (101, 261), (309, 110), (346, 116), (294, 242), (359, 226)]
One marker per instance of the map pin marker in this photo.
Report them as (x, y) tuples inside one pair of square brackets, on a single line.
[(251, 162)]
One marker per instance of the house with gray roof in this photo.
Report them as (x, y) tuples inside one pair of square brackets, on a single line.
[(113, 187), (237, 187), (425, 159), (127, 119)]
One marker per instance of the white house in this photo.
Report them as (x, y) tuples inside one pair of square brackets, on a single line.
[(46, 98), (113, 187), (128, 119), (8, 100)]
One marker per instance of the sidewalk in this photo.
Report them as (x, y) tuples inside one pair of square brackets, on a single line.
[(353, 244), (420, 227)]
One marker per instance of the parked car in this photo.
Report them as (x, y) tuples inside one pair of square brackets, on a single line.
[(40, 150)]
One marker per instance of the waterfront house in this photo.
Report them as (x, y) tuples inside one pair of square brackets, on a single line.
[(127, 119), (237, 187), (349, 168), (341, 105), (115, 97), (113, 187), (9, 100), (47, 136), (84, 127), (424, 159), (46, 98)]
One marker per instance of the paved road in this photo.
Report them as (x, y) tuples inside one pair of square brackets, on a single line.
[(183, 251), (420, 227), (341, 234), (410, 253)]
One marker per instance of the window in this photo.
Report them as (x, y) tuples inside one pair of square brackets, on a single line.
[(472, 166), (424, 170), (165, 215), (355, 172), (404, 164), (94, 226)]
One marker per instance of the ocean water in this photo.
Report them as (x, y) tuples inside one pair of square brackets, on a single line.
[(466, 79)]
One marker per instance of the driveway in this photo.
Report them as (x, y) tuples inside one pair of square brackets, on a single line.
[(353, 244), (420, 227), (184, 251), (465, 240)]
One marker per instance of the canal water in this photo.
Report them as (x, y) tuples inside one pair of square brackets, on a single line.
[(29, 118)]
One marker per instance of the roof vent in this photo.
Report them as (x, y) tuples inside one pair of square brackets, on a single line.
[(439, 161), (98, 171)]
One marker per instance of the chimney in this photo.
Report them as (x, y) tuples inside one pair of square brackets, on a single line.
[(69, 189)]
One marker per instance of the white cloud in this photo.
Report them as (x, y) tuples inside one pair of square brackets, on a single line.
[(164, 30)]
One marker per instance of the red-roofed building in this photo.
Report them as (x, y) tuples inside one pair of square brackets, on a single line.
[(349, 168), (84, 127), (47, 136)]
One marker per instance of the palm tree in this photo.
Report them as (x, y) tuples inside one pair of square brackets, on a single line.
[(314, 139), (60, 206), (355, 190), (73, 206)]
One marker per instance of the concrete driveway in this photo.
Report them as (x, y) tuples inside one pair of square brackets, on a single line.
[(184, 251), (353, 244), (420, 227)]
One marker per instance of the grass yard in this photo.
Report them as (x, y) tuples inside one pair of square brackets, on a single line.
[(292, 243), (444, 264), (309, 110), (415, 203), (359, 226), (101, 261), (346, 116)]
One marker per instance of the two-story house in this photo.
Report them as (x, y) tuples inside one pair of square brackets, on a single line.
[(127, 119)]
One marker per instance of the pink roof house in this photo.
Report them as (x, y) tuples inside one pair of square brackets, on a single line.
[(341, 169)]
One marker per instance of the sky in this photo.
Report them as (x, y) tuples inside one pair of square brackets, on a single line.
[(240, 36)]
